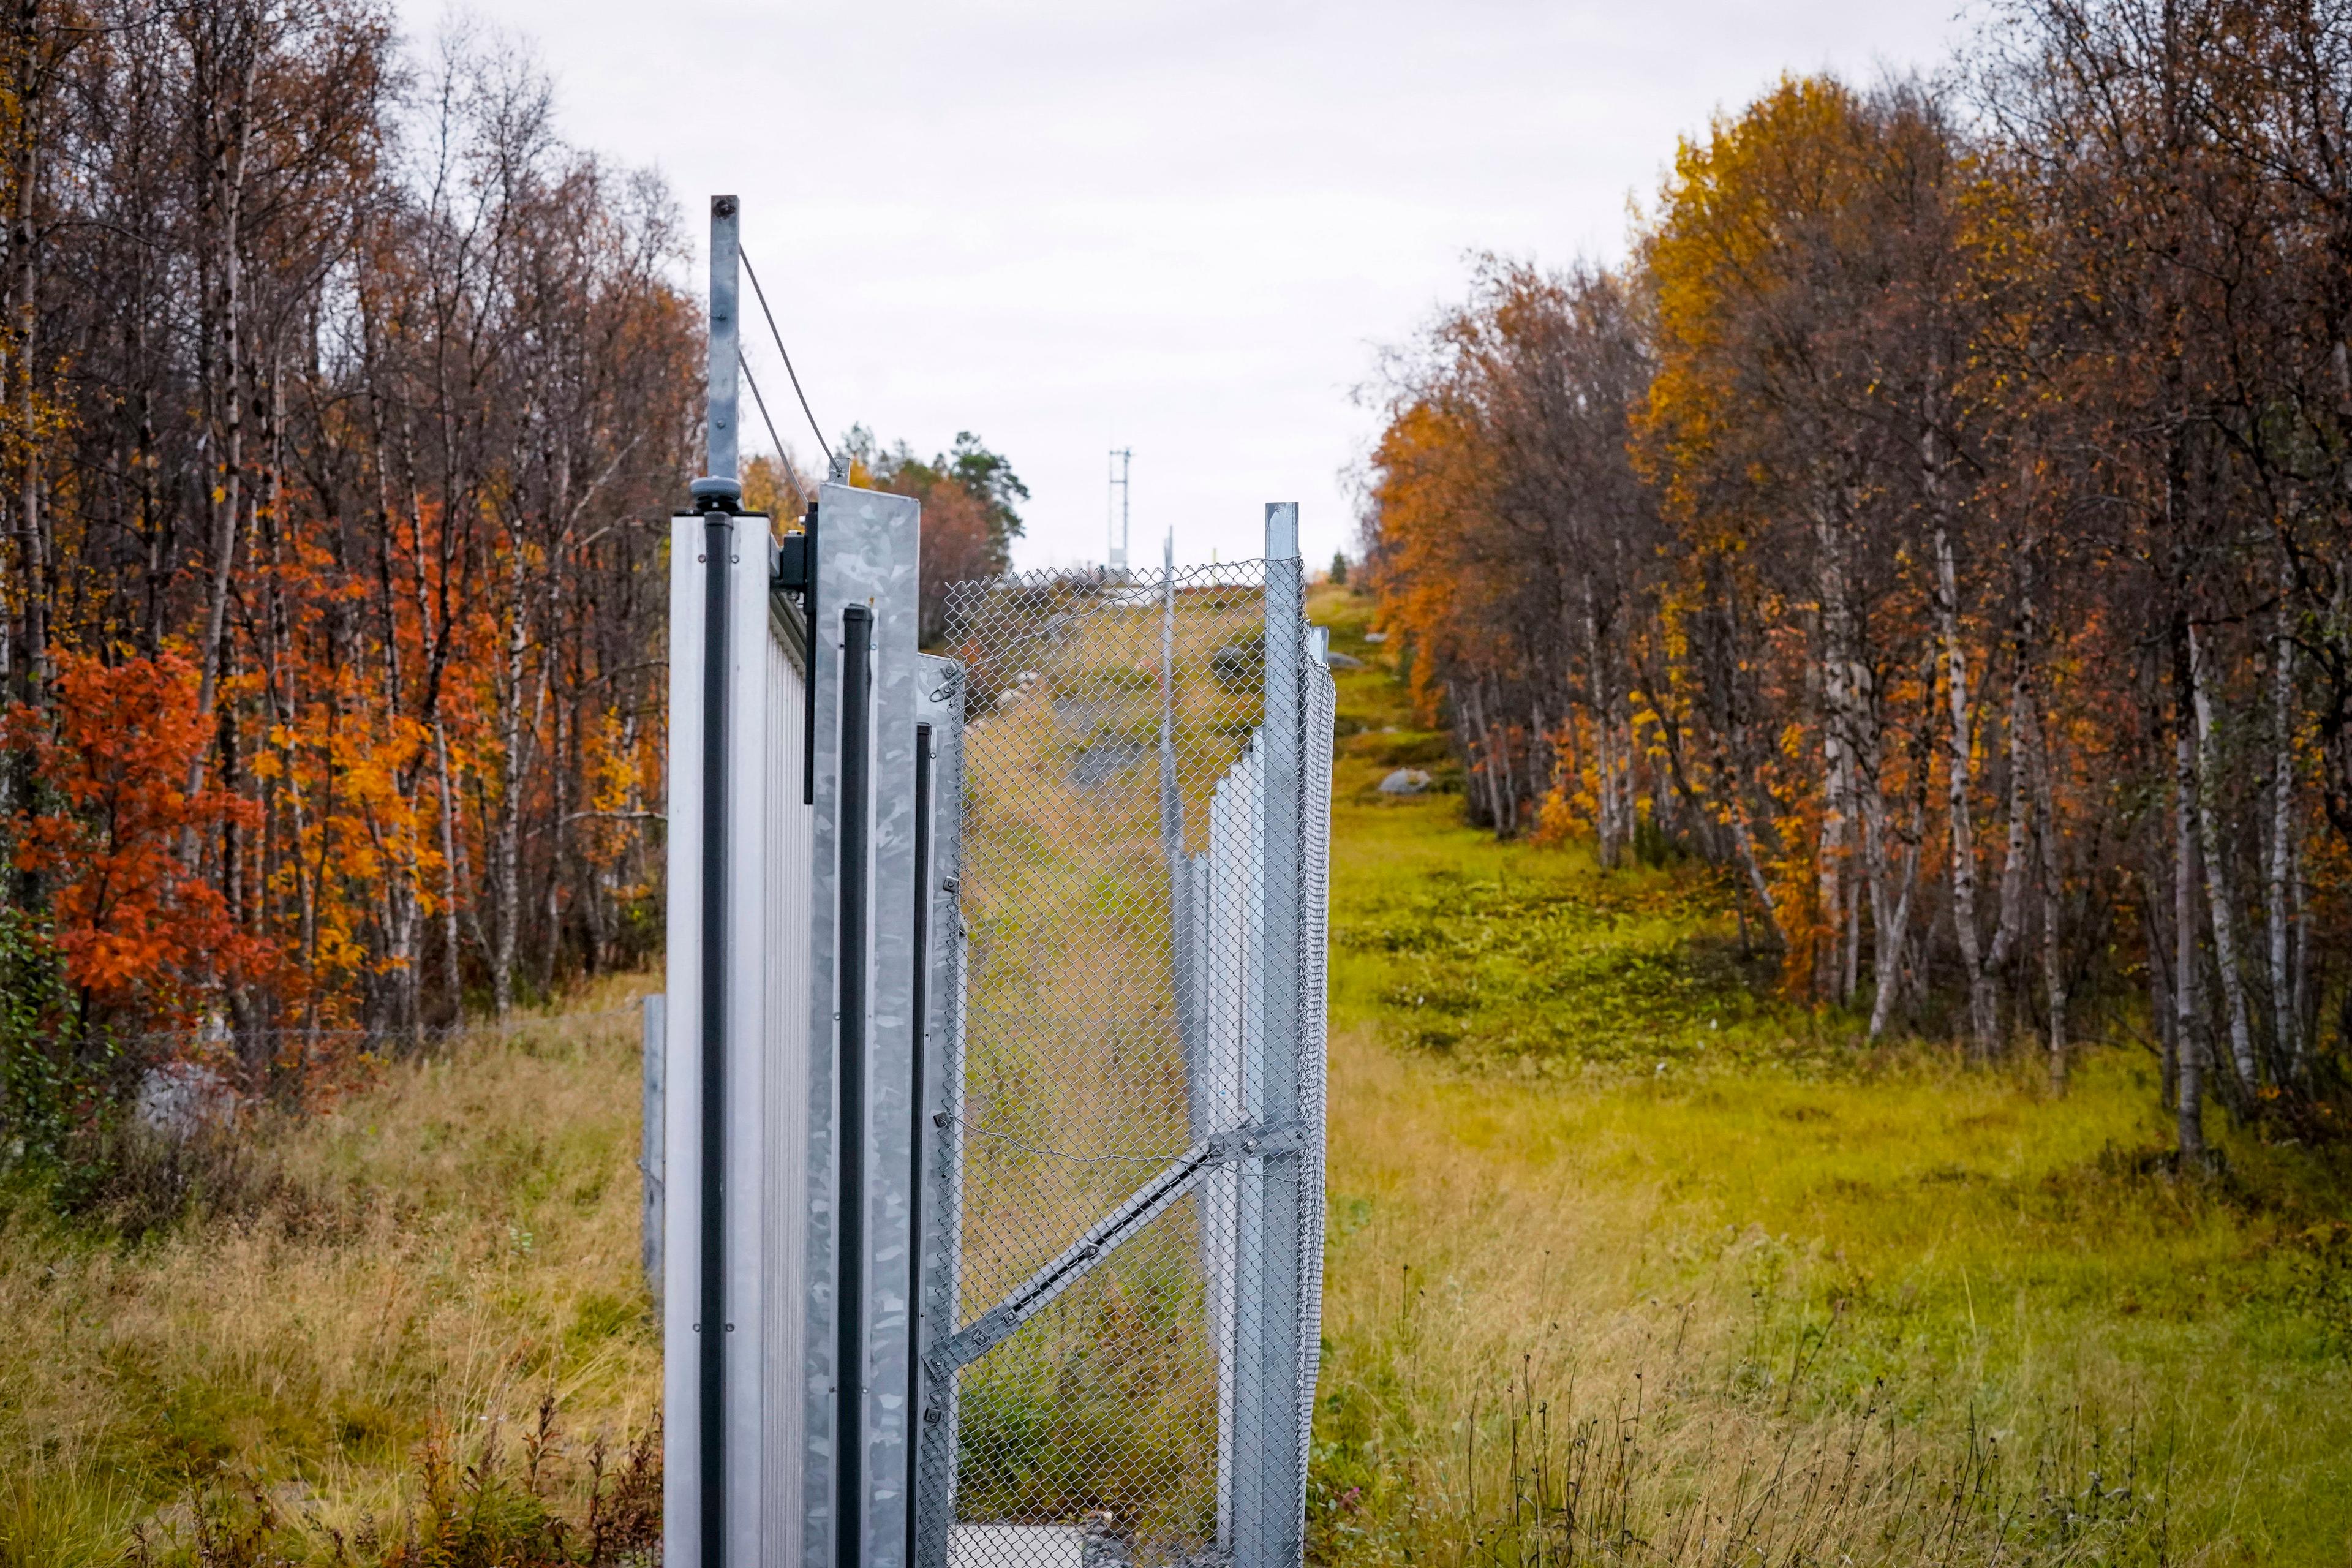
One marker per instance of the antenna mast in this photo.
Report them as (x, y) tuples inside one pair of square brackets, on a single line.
[(1119, 459)]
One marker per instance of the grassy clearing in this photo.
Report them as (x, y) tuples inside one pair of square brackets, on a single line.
[(1623, 1266)]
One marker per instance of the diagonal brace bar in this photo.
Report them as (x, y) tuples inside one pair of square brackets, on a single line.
[(996, 1325)]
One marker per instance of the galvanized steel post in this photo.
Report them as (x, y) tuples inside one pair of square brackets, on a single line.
[(859, 1157), (938, 1225), (726, 250), (1269, 1519)]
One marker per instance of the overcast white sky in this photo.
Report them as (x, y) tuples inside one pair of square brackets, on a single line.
[(1180, 227)]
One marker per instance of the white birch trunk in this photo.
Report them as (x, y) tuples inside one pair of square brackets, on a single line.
[(2217, 882), (2286, 1020), (2011, 928), (1983, 1023), (1837, 763), (449, 900), (506, 867), (1894, 926), (2189, 1115), (228, 399)]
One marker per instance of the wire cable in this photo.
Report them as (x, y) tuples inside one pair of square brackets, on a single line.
[(761, 295), (799, 495)]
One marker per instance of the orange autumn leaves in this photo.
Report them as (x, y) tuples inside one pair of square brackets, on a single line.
[(333, 592), (137, 928)]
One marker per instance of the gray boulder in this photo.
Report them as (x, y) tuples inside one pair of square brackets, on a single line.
[(182, 1099)]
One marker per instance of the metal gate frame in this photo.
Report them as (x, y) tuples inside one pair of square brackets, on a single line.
[(813, 1072), (797, 1236)]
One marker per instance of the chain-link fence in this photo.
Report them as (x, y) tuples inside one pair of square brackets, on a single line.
[(1123, 1289)]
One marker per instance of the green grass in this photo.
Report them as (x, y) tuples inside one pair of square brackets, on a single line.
[(1624, 1264), (1540, 968), (1580, 1170)]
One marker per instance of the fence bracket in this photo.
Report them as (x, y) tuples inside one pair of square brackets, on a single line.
[(996, 1325)]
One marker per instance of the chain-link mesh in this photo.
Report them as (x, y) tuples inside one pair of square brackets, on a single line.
[(1138, 1097)]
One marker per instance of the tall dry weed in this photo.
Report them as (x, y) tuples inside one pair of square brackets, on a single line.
[(504, 1508)]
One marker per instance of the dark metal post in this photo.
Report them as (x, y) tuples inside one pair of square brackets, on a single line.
[(716, 496), (849, 1385), (719, 543), (808, 705)]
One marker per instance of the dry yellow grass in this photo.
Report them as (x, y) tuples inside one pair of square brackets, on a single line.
[(448, 1246)]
